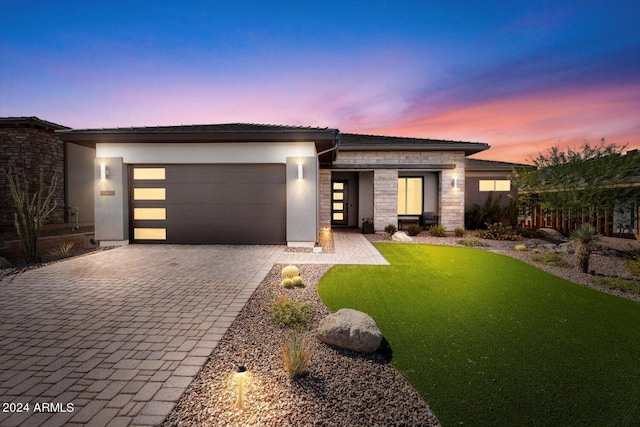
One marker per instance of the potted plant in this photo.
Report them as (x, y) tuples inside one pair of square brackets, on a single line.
[(367, 226)]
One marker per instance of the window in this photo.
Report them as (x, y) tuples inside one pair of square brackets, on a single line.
[(495, 185), (409, 196)]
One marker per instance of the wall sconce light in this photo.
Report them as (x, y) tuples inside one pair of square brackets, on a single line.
[(240, 373), (454, 183), (300, 174), (104, 172)]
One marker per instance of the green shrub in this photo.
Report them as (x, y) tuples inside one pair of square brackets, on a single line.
[(472, 243), (458, 232), (633, 267), (619, 284), (290, 313), (390, 229), (386, 236), (295, 355), (498, 231), (413, 230), (550, 258), (297, 281), (520, 248), (536, 251), (290, 271), (63, 250), (438, 231), (529, 233), (287, 283)]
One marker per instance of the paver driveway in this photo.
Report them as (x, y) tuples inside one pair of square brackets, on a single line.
[(119, 334)]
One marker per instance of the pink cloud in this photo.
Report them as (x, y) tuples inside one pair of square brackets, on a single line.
[(519, 127)]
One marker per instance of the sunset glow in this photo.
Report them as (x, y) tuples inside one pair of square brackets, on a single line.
[(520, 76)]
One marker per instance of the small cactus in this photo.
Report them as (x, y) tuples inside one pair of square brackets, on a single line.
[(290, 271), (287, 283), (297, 281)]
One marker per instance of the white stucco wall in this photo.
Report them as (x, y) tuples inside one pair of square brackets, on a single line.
[(249, 152)]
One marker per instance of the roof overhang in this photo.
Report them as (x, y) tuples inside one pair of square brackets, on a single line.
[(32, 122), (324, 139), (468, 147)]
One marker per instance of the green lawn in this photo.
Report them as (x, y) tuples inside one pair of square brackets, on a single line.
[(490, 340)]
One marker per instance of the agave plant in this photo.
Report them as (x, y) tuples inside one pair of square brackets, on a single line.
[(586, 237)]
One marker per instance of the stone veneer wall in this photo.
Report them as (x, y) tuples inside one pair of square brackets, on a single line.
[(325, 198), (451, 200), (27, 149)]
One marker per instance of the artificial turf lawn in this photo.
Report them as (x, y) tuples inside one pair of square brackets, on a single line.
[(489, 340)]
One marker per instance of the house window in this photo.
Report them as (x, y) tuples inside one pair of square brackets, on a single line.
[(495, 185), (409, 196)]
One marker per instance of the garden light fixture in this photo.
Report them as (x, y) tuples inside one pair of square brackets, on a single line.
[(240, 374)]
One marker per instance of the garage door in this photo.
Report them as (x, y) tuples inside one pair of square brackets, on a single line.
[(225, 204)]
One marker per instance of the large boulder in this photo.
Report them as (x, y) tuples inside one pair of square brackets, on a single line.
[(350, 329), (534, 243), (553, 236), (401, 236)]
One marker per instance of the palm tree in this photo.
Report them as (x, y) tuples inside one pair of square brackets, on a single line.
[(585, 236)]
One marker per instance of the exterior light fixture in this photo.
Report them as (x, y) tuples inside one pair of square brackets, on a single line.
[(300, 173), (454, 183), (240, 374), (104, 171)]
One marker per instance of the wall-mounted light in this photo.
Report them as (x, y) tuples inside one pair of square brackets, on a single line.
[(240, 372), (104, 171), (300, 172), (454, 183)]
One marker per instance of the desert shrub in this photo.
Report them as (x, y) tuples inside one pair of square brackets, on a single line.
[(386, 236), (536, 251), (498, 231), (413, 230), (490, 212), (458, 232), (438, 231), (520, 248), (390, 229), (290, 271), (287, 283), (472, 243), (619, 284), (633, 267), (290, 313), (529, 233), (63, 250), (296, 355), (297, 281), (550, 258)]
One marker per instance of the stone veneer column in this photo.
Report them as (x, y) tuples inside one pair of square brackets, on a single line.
[(385, 198), (325, 198), (452, 199)]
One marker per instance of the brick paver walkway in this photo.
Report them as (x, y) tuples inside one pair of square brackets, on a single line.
[(121, 334)]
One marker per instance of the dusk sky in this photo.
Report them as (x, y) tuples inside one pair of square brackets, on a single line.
[(520, 76)]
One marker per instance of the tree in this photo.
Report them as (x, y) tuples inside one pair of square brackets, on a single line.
[(31, 210), (582, 181), (585, 236)]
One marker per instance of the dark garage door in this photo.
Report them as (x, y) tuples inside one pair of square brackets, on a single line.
[(222, 203)]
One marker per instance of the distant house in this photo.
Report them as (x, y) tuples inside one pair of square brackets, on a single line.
[(256, 184)]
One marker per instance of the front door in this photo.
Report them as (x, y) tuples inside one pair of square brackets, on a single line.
[(339, 214)]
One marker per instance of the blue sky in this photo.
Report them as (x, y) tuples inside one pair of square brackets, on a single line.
[(521, 76)]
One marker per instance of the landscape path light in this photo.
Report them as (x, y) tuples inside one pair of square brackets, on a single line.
[(240, 374)]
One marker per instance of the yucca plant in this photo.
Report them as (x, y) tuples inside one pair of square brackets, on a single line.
[(63, 250), (586, 237), (296, 356)]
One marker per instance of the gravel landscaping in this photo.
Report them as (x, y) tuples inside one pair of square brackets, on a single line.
[(342, 387)]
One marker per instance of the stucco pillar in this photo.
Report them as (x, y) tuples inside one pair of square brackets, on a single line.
[(302, 176), (385, 198), (111, 202)]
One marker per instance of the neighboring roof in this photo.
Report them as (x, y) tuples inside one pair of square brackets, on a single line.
[(30, 122), (358, 142), (491, 165)]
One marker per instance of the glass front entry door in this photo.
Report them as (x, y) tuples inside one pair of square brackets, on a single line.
[(339, 214)]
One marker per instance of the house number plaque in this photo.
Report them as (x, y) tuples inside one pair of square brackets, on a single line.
[(107, 193)]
